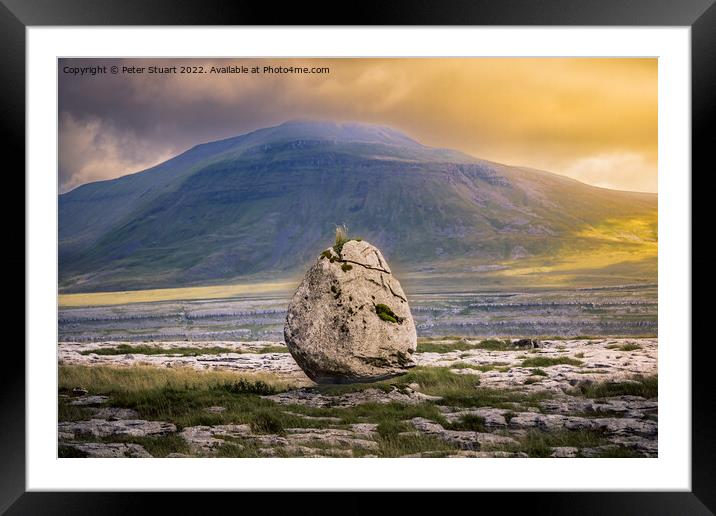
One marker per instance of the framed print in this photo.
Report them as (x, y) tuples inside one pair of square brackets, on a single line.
[(444, 251)]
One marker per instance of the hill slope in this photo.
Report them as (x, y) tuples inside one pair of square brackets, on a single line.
[(264, 204)]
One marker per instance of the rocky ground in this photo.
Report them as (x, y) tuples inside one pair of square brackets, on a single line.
[(466, 398)]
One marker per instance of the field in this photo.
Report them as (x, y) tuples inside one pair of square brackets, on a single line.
[(466, 398), (184, 376)]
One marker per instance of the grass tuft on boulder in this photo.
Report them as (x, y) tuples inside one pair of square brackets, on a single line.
[(341, 238)]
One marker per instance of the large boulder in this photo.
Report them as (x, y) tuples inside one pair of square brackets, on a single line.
[(349, 321)]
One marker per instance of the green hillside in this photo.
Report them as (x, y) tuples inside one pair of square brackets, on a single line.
[(261, 206)]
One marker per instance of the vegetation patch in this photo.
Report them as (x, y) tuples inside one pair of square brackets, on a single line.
[(539, 444), (156, 446), (181, 396), (267, 422), (549, 361), (618, 452), (464, 390), (455, 389), (138, 379), (629, 346), (496, 345), (492, 366), (346, 267), (401, 445), (398, 438), (346, 388), (244, 386), (387, 314), (67, 412), (444, 347), (458, 344), (388, 428), (341, 239), (469, 422), (188, 351), (644, 386)]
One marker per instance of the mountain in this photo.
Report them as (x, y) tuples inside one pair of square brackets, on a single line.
[(264, 204)]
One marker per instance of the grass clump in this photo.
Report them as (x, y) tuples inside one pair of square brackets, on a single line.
[(244, 386), (644, 386), (341, 238), (444, 347), (163, 445), (267, 422), (392, 444), (391, 427), (269, 349), (496, 345), (618, 452), (539, 372), (468, 422), (439, 381), (401, 445), (629, 346), (539, 444), (549, 361), (67, 412), (493, 366), (346, 267)]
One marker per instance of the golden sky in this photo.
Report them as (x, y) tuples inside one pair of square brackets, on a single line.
[(592, 119)]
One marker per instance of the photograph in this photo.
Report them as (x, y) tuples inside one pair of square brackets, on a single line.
[(357, 257)]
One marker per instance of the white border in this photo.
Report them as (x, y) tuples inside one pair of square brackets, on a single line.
[(671, 470)]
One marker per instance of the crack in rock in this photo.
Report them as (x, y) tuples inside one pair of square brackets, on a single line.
[(396, 295), (362, 265)]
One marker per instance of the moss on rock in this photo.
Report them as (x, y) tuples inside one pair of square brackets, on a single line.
[(387, 314)]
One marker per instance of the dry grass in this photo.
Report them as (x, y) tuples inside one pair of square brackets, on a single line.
[(98, 379)]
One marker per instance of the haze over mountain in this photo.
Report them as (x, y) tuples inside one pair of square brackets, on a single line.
[(264, 204)]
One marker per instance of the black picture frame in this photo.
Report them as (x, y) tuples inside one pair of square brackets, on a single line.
[(17, 15)]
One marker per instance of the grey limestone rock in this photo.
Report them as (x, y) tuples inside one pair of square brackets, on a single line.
[(349, 321)]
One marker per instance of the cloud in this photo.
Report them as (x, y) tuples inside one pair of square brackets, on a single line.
[(93, 150), (627, 171)]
